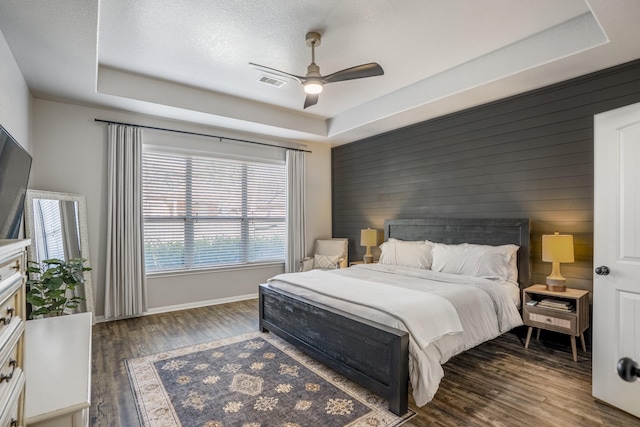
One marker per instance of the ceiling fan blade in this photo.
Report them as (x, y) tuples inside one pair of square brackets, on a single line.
[(277, 72), (310, 100), (358, 72)]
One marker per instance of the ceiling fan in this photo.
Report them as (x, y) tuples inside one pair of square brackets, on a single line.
[(313, 81)]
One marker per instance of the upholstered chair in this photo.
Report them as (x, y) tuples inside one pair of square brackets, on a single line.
[(328, 254)]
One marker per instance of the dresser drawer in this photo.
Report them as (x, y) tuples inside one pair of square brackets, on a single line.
[(546, 319), (11, 265), (12, 414), (11, 360), (10, 303)]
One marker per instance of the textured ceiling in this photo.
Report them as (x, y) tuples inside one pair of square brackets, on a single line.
[(189, 60)]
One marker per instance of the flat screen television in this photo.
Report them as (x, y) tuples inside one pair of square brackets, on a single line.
[(15, 165)]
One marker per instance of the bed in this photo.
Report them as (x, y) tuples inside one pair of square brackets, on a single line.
[(382, 350)]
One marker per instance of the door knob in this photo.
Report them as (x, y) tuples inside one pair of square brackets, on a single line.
[(603, 270), (628, 369)]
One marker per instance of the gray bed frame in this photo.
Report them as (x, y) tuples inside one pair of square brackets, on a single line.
[(368, 353)]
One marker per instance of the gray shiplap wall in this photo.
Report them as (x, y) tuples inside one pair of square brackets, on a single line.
[(530, 155)]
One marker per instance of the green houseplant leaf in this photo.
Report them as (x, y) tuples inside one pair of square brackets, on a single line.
[(52, 284)]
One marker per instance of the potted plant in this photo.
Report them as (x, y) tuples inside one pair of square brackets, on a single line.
[(51, 289)]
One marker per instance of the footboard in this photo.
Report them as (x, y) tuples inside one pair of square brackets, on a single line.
[(373, 355)]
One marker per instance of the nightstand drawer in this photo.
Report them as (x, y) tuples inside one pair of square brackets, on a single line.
[(560, 322), (549, 320)]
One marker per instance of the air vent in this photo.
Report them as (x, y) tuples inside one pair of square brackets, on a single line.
[(272, 81)]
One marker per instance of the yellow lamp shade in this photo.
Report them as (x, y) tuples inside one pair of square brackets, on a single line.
[(369, 237), (557, 248)]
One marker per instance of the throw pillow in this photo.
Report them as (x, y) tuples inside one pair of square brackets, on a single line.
[(325, 261)]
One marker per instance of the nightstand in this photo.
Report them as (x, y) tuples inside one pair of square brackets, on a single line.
[(360, 262), (565, 312)]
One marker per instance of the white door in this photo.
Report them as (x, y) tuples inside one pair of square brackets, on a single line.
[(616, 295)]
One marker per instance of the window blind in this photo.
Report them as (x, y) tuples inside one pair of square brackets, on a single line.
[(47, 214), (202, 212)]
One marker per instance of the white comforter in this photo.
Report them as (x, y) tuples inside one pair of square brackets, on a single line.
[(444, 314)]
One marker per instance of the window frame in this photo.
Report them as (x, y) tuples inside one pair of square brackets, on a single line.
[(190, 220)]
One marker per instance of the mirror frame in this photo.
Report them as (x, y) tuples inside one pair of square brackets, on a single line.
[(84, 234)]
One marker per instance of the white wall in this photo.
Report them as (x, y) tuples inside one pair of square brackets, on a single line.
[(70, 155), (15, 98), (318, 194)]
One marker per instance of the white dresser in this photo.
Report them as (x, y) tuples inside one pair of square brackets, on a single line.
[(58, 360), (13, 259)]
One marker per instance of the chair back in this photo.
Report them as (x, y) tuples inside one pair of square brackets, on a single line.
[(334, 247)]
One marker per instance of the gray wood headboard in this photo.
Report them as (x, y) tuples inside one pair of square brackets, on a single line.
[(481, 231)]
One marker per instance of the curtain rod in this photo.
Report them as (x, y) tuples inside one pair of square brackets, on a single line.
[(201, 134)]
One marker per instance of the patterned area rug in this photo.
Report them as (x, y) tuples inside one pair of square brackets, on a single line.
[(251, 380)]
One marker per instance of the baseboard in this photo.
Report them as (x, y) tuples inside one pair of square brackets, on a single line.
[(200, 304), (187, 306)]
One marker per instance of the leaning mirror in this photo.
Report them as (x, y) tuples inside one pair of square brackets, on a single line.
[(56, 223)]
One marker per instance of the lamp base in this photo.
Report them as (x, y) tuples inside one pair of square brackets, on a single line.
[(368, 259), (556, 285)]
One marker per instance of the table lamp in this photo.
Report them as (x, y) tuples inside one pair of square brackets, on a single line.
[(368, 238), (557, 248)]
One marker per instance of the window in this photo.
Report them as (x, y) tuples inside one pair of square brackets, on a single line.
[(201, 212), (48, 225)]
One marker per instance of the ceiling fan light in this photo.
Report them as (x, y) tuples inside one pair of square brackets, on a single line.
[(312, 87)]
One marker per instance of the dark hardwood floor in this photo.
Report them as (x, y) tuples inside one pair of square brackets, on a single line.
[(498, 383)]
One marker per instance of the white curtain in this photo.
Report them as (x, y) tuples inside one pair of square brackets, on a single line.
[(296, 215), (125, 293)]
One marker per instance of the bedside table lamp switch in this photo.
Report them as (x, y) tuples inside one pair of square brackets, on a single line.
[(557, 248), (368, 238)]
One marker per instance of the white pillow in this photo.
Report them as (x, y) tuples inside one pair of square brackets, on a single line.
[(513, 268), (325, 261), (416, 254), (387, 254), (489, 262), (511, 251)]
